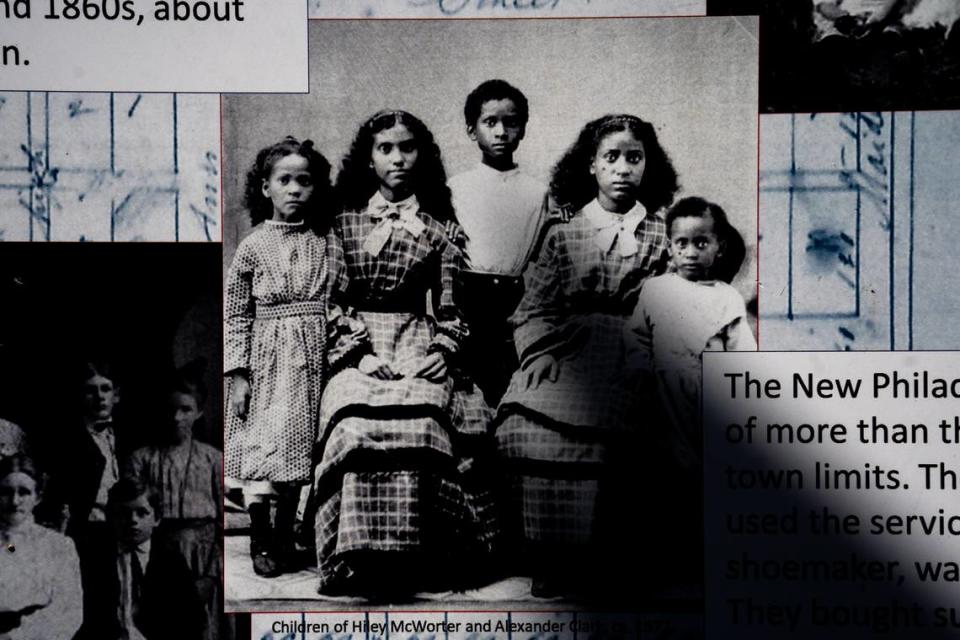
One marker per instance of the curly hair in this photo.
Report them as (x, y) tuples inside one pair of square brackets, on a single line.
[(260, 206), (572, 186), (357, 180), (728, 263), (494, 90)]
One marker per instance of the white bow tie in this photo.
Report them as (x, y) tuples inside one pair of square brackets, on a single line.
[(619, 231), (392, 215)]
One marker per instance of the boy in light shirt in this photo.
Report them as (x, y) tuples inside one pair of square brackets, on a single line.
[(503, 213)]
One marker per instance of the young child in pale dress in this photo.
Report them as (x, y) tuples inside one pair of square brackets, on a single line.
[(275, 343), (678, 316), (689, 310)]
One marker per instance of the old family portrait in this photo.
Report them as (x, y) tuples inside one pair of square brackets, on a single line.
[(110, 461), (468, 280)]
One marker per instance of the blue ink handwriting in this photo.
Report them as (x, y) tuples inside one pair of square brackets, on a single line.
[(133, 107), (456, 7), (76, 108)]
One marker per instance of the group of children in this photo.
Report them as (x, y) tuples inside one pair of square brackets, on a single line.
[(460, 369), (143, 527)]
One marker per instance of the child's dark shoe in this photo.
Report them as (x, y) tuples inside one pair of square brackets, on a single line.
[(264, 564)]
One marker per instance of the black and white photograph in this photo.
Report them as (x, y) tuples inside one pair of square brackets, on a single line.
[(479, 319), (110, 460), (467, 282), (849, 55)]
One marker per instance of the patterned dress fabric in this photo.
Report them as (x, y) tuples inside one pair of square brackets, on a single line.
[(401, 480), (675, 321), (186, 477), (566, 441), (275, 330)]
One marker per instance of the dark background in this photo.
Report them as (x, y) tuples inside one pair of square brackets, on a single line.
[(917, 68), (146, 308)]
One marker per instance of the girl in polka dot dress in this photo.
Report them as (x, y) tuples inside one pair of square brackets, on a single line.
[(275, 341)]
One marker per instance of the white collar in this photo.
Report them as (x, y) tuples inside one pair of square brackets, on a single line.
[(24, 531), (105, 432), (615, 229), (377, 201), (142, 550), (496, 173), (601, 218)]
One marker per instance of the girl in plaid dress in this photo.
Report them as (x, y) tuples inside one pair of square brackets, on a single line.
[(568, 424), (401, 502), (275, 302)]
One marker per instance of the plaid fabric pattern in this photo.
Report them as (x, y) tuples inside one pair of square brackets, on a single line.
[(350, 434), (573, 276), (576, 299), (558, 438), (389, 519), (433, 503), (404, 465), (519, 440), (431, 519), (569, 489), (557, 511), (401, 275), (553, 507), (592, 388), (288, 270)]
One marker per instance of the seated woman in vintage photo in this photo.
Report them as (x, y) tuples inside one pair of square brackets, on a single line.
[(569, 422), (40, 593), (403, 499)]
